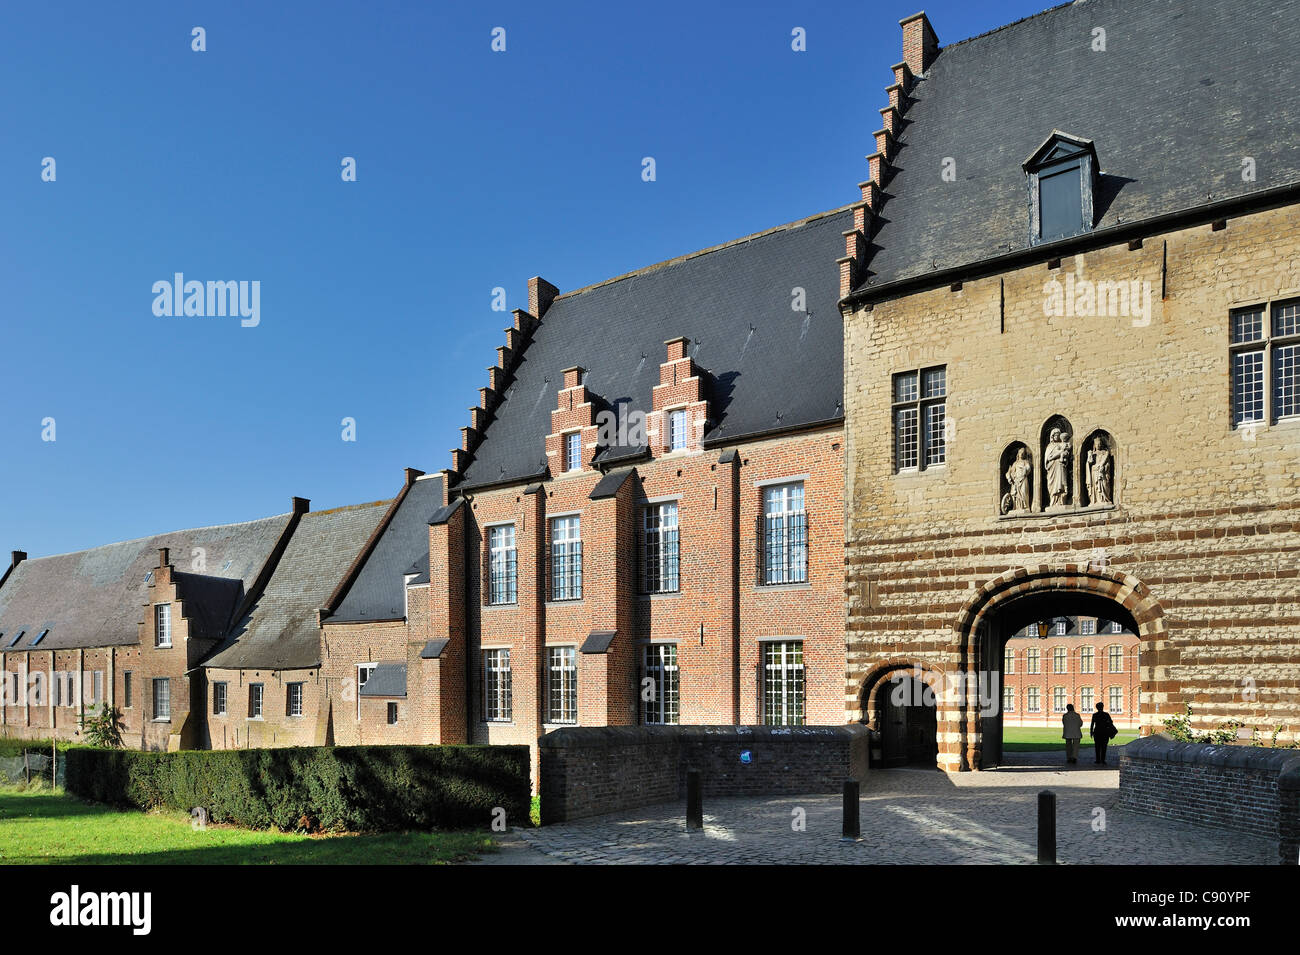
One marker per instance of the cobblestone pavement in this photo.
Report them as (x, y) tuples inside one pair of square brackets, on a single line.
[(908, 816)]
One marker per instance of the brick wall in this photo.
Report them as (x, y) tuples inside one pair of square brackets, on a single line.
[(590, 771), (1243, 788)]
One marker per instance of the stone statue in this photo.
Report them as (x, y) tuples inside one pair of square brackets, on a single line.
[(1017, 497), (1057, 462), (1101, 473)]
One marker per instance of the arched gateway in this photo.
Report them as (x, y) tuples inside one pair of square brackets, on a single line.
[(966, 688)]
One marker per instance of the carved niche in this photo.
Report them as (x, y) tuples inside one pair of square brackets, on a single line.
[(1097, 470), (1016, 479), (1057, 450)]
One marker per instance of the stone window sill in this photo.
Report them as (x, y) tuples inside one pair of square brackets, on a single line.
[(1058, 513)]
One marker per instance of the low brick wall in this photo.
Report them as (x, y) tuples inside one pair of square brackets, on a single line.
[(587, 771), (1242, 788)]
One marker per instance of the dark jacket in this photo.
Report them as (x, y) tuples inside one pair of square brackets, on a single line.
[(1101, 725)]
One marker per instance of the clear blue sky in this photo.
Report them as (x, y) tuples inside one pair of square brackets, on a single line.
[(475, 170)]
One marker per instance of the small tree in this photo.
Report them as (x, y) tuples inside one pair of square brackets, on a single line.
[(103, 728)]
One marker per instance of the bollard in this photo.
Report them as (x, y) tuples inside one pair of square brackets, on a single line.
[(694, 806), (1047, 827), (852, 821)]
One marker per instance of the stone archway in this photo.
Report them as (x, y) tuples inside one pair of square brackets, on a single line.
[(876, 709), (959, 715)]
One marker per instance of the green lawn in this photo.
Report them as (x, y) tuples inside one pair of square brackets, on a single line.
[(46, 826), (1037, 739)]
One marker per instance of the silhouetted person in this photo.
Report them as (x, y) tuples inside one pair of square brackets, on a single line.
[(1071, 732), (1102, 730)]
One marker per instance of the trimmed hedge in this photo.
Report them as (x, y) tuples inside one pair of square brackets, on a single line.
[(330, 788)]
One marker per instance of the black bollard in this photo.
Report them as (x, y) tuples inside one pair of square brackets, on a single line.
[(694, 806), (852, 821), (1047, 827)]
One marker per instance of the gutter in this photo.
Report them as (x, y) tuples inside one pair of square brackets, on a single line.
[(1144, 228)]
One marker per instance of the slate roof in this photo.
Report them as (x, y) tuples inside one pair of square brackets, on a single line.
[(387, 679), (1184, 90), (280, 631), (770, 367), (379, 592), (95, 598)]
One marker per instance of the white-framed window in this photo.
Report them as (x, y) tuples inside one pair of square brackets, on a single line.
[(219, 692), (1058, 660), (498, 698), (293, 699), (1008, 699), (162, 698), (1115, 658), (503, 567), (127, 696), (1031, 660), (1116, 627), (1009, 660), (1117, 699), (364, 670), (783, 683), (1059, 627), (392, 713), (785, 534), (162, 625), (1087, 659), (1265, 362), (1087, 698), (255, 701), (566, 558), (661, 693), (1031, 699), (920, 414), (662, 555), (678, 439), (1058, 699), (562, 685), (573, 451), (1087, 627)]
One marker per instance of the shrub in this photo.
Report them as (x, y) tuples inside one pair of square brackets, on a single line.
[(344, 788)]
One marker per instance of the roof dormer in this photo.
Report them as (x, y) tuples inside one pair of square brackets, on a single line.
[(1062, 177)]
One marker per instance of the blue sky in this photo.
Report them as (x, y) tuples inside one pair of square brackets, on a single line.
[(475, 169)]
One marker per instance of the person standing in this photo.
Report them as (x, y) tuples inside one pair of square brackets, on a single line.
[(1102, 730), (1071, 732)]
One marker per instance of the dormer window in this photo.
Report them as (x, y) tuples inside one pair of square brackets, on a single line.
[(1062, 175)]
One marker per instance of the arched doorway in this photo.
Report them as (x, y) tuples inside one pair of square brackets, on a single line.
[(970, 717), (908, 721)]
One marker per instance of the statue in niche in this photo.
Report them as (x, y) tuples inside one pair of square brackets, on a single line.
[(1018, 494), (1101, 473), (1057, 462)]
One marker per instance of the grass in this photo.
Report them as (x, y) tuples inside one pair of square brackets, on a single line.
[(40, 825), (1039, 739)]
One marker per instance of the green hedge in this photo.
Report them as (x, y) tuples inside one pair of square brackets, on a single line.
[(340, 788)]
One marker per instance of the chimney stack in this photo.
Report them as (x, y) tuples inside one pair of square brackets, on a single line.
[(164, 556), (301, 505), (541, 294), (17, 557)]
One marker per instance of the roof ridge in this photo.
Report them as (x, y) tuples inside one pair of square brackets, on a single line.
[(136, 540), (731, 243), (349, 507), (1014, 23)]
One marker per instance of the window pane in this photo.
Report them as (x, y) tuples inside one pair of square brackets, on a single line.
[(935, 382), (935, 450), (676, 430), (1248, 386), (1060, 200), (905, 438), (572, 451), (785, 535), (905, 386), (1286, 318), (502, 582), (1247, 325), (1286, 380)]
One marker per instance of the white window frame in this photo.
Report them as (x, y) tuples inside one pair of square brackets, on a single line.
[(503, 565), (1087, 698), (1088, 659), (166, 684), (1008, 699), (162, 626), (785, 534), (220, 697), (566, 557), (1059, 699), (1267, 346), (1111, 693), (678, 429), (1033, 703), (573, 451), (659, 665), (1060, 660), (662, 551), (290, 704), (369, 669), (1114, 657), (1088, 627), (498, 688), (1033, 658), (1008, 660), (256, 712), (391, 713), (562, 685), (784, 692)]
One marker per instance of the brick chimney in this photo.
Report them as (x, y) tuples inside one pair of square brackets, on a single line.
[(164, 556), (17, 557), (920, 45), (541, 294), (301, 505)]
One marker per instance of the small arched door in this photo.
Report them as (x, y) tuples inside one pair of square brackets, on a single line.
[(908, 723)]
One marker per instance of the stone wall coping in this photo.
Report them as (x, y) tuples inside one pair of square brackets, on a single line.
[(1163, 748), (607, 737)]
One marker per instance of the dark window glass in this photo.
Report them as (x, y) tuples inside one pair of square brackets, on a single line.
[(1060, 201)]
